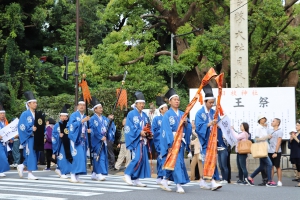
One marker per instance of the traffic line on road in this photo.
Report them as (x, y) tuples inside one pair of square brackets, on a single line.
[(74, 187), (22, 197), (59, 182), (47, 191)]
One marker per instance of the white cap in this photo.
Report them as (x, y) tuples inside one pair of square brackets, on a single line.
[(261, 116), (293, 130)]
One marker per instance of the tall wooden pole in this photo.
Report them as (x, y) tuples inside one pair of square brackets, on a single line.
[(77, 54)]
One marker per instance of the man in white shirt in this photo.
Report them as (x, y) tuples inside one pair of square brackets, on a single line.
[(275, 148)]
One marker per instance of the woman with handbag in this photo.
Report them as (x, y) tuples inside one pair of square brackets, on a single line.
[(294, 146), (242, 149), (261, 138)]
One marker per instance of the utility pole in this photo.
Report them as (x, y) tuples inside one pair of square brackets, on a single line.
[(77, 53)]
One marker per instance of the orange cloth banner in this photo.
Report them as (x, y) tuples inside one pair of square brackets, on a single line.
[(85, 91), (211, 152), (172, 155), (123, 98)]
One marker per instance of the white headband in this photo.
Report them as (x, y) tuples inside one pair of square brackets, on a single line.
[(174, 95), (162, 106), (64, 114), (81, 102), (140, 100), (208, 98), (32, 100), (2, 111), (96, 106)]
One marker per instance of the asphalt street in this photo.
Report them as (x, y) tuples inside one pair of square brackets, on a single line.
[(49, 186)]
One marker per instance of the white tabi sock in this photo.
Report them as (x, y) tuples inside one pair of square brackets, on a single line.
[(73, 177), (158, 180), (164, 185), (179, 188), (94, 176)]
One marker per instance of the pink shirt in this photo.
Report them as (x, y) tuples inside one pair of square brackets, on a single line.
[(240, 137)]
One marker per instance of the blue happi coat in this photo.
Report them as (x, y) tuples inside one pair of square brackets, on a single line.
[(156, 126), (78, 142), (4, 166), (98, 126), (139, 166), (203, 117), (170, 123), (63, 164), (26, 136)]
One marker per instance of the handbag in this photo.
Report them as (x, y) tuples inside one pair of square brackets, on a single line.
[(259, 150), (244, 147)]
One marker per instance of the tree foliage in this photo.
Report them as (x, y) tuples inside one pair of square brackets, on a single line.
[(117, 35)]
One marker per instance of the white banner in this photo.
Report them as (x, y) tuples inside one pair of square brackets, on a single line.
[(225, 126), (246, 104), (10, 131)]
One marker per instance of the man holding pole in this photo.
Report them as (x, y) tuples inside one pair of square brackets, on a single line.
[(61, 144)]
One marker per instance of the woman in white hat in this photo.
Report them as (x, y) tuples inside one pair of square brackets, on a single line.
[(261, 135)]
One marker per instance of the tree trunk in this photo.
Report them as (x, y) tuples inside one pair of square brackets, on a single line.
[(293, 77)]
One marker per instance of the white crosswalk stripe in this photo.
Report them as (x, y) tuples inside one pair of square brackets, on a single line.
[(47, 185)]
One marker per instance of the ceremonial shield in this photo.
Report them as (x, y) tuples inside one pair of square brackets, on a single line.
[(65, 140), (39, 134)]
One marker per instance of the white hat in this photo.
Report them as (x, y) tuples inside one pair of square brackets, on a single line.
[(293, 130), (260, 117)]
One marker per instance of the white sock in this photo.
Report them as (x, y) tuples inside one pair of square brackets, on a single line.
[(179, 187), (73, 177)]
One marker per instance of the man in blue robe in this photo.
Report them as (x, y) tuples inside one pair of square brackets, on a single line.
[(4, 166), (99, 125), (77, 127), (63, 164), (156, 125), (204, 122), (136, 140), (169, 126), (26, 128)]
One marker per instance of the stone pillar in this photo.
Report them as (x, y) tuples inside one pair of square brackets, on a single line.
[(239, 43)]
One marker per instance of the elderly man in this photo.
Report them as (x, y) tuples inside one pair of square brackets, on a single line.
[(136, 140), (169, 126)]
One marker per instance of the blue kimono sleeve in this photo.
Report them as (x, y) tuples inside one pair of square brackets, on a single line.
[(74, 128), (55, 138), (132, 136), (24, 128), (156, 133), (166, 138), (201, 127), (96, 137), (111, 131)]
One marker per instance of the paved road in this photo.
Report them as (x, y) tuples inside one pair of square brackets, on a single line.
[(49, 186)]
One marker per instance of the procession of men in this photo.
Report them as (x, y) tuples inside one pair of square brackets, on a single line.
[(77, 136), (70, 143)]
